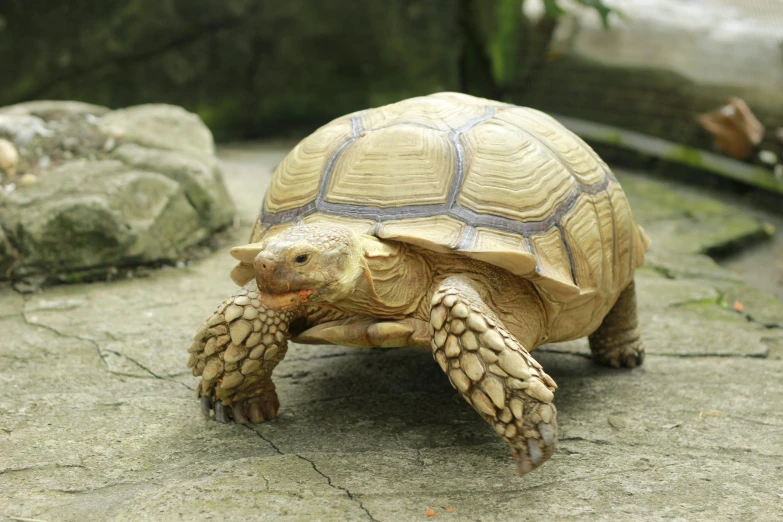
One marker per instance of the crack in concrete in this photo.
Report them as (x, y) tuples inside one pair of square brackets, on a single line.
[(582, 439), (41, 466), (717, 355), (662, 354), (315, 468), (101, 352), (66, 336), (261, 436), (135, 362), (337, 486)]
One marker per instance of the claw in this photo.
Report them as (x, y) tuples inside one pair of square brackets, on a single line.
[(237, 411), (270, 409), (206, 406), (221, 413), (256, 415)]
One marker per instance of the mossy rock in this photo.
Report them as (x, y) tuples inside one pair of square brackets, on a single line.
[(132, 187)]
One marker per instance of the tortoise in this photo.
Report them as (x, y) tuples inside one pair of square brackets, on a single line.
[(477, 229)]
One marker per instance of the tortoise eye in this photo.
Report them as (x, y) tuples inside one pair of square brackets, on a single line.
[(301, 259)]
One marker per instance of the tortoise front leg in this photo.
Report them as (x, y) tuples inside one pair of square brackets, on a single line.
[(235, 352), (494, 372)]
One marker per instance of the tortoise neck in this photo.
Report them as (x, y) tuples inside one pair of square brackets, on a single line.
[(396, 278)]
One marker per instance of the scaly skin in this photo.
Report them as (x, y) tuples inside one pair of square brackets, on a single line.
[(494, 372), (235, 352), (617, 342)]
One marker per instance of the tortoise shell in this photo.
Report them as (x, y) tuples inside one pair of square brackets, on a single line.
[(504, 184)]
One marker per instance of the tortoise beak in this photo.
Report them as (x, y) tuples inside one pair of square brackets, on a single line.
[(274, 278), (273, 274), (285, 300)]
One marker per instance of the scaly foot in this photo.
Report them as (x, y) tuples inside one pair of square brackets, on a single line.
[(255, 410)]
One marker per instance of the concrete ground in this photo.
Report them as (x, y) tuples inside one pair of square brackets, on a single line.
[(99, 421)]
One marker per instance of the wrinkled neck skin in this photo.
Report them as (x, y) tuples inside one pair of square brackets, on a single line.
[(395, 279), (398, 281)]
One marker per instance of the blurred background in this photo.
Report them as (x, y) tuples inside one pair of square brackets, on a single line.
[(257, 68)]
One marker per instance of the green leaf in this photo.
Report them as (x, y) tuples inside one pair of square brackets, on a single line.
[(602, 9), (552, 9), (504, 43)]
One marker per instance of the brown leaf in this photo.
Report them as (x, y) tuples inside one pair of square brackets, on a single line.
[(734, 127)]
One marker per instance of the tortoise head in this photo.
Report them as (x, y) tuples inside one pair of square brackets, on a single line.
[(306, 264)]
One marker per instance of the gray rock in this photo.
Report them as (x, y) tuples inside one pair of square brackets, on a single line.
[(155, 193), (22, 128), (48, 108), (6, 254), (199, 175), (161, 127), (99, 214)]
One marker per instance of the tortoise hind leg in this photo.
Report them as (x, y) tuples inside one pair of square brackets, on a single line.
[(617, 342)]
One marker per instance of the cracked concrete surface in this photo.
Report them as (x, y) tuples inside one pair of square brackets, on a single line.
[(98, 419)]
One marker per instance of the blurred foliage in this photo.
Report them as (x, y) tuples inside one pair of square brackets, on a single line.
[(553, 9), (249, 68), (254, 68), (504, 50)]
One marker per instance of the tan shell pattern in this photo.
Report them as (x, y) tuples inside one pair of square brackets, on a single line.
[(453, 173)]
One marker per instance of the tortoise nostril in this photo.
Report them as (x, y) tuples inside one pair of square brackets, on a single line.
[(265, 262)]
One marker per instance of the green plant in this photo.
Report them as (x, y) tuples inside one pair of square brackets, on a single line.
[(554, 9)]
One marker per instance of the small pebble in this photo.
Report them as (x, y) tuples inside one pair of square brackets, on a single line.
[(28, 179), (9, 157), (768, 157)]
